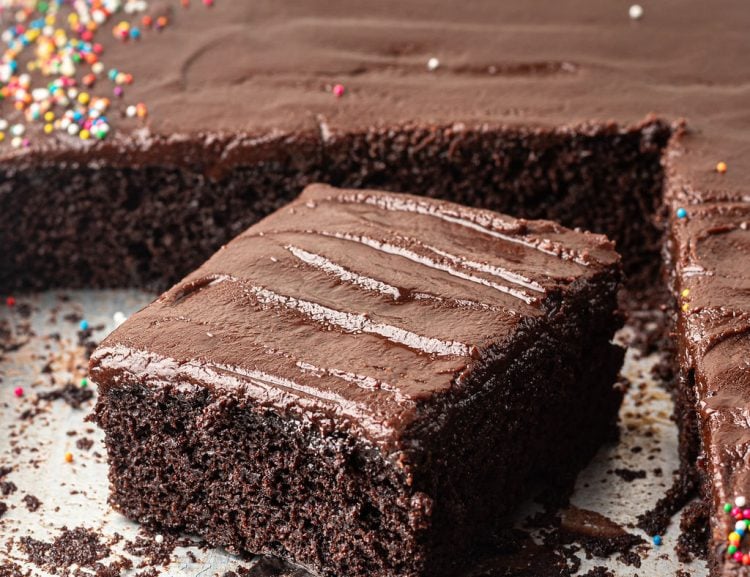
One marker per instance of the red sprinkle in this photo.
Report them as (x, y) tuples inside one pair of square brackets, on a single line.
[(338, 90), (18, 391), (10, 301)]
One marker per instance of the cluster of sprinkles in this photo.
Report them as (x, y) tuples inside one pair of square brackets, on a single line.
[(51, 61), (741, 526)]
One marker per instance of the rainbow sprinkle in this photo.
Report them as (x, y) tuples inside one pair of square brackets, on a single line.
[(51, 64), (741, 526)]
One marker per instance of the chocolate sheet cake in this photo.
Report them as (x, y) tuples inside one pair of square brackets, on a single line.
[(364, 383), (571, 110)]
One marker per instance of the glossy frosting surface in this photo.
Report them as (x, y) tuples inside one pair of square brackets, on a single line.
[(352, 307)]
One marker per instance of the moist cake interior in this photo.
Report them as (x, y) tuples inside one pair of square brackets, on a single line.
[(109, 226)]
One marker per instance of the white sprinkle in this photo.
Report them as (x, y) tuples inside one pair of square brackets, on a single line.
[(130, 111), (16, 142), (740, 501), (17, 129), (68, 68), (73, 129), (159, 539), (3, 124), (433, 64), (40, 94), (636, 12), (119, 318), (97, 68), (740, 526)]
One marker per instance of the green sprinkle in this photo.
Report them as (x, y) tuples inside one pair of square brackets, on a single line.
[(731, 549), (727, 507), (84, 382)]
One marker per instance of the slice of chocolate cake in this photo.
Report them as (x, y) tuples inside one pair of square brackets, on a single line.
[(364, 382)]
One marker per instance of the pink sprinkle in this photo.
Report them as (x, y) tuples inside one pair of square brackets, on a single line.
[(738, 556), (208, 2), (735, 511), (746, 513), (18, 391), (339, 90), (119, 91)]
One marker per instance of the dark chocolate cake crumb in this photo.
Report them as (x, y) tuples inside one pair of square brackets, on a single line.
[(73, 317), (3, 508), (656, 520), (10, 569), (73, 395), (153, 549), (629, 475), (598, 572), (7, 488), (32, 503), (114, 569), (630, 558), (84, 443), (78, 546), (5, 471), (694, 532)]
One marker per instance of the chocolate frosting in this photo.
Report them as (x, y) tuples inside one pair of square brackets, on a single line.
[(352, 308), (235, 84)]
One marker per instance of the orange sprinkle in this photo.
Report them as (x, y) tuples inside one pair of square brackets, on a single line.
[(68, 457), (721, 167)]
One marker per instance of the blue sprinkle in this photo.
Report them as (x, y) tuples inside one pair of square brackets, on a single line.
[(84, 325), (657, 540), (135, 33), (681, 213)]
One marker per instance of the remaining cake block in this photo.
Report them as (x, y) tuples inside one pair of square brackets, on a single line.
[(364, 382), (713, 340)]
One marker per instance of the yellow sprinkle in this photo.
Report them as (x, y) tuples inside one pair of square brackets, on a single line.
[(685, 307), (2, 136), (72, 18), (49, 20), (721, 167), (68, 457), (48, 128), (49, 116), (685, 293), (84, 98), (84, 134)]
